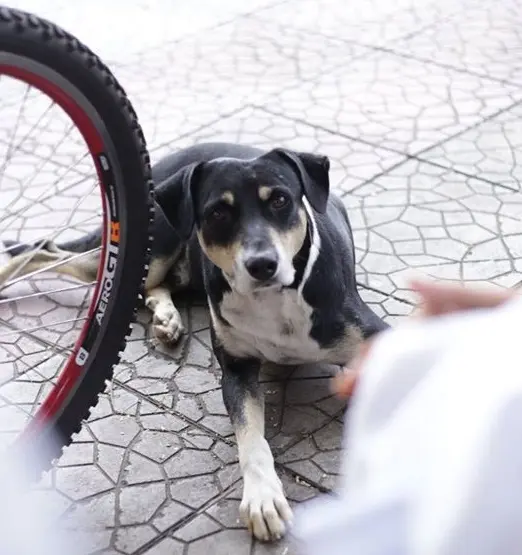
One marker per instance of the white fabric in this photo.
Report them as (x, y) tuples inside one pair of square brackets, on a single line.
[(433, 459), (28, 516)]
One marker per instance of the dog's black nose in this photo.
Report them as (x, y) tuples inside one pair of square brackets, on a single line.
[(262, 267)]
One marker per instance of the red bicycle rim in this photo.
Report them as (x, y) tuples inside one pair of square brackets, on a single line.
[(69, 375)]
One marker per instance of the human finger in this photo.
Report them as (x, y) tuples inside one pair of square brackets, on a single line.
[(444, 298), (344, 383)]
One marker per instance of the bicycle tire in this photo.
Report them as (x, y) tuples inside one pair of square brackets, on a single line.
[(41, 53)]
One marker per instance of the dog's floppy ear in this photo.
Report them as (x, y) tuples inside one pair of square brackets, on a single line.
[(312, 170), (176, 196)]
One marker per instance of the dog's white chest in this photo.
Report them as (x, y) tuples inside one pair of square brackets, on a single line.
[(272, 325)]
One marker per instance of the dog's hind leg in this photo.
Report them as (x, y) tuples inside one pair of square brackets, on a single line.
[(82, 266), (167, 324)]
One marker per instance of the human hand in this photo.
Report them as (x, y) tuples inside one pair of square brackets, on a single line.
[(436, 299)]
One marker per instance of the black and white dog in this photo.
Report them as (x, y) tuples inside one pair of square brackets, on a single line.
[(259, 234)]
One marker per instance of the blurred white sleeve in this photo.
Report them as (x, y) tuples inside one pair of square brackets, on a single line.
[(27, 526), (433, 459)]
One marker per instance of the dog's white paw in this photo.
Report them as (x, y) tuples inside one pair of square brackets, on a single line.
[(167, 325), (264, 507)]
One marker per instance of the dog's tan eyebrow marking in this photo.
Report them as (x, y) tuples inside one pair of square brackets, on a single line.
[(228, 197), (264, 192)]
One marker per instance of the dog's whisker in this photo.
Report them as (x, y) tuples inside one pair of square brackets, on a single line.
[(50, 292)]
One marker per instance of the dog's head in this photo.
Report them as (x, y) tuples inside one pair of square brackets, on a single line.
[(250, 215)]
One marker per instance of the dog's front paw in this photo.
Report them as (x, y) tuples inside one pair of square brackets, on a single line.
[(167, 326), (264, 507)]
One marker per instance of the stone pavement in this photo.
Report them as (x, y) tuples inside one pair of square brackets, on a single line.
[(418, 103)]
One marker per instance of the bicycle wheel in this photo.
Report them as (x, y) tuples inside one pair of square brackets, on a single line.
[(99, 171)]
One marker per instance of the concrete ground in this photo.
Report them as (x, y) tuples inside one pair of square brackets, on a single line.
[(418, 103)]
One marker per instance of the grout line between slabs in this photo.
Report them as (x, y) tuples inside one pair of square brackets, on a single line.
[(370, 50), (201, 427), (185, 520), (198, 129), (387, 46), (475, 125), (387, 295), (427, 61), (406, 36), (407, 157), (195, 34), (291, 474)]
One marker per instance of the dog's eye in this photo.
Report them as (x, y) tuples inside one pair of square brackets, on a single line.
[(218, 213), (279, 201)]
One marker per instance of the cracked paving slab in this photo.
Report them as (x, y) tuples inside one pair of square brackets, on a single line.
[(395, 102), (138, 477), (197, 80), (219, 531), (372, 22), (352, 162), (490, 151), (155, 469), (138, 25), (488, 44), (133, 472), (433, 221)]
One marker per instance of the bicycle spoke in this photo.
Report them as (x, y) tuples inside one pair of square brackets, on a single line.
[(37, 328), (12, 279), (47, 236), (36, 366), (46, 293), (40, 167), (78, 203), (19, 406), (46, 345), (28, 182), (40, 244), (22, 375), (13, 135), (57, 164), (49, 267), (53, 200), (34, 126), (45, 350), (20, 136), (41, 199)]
